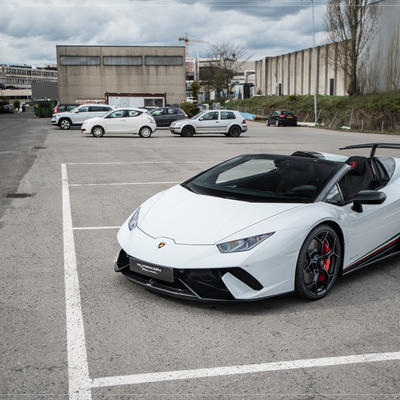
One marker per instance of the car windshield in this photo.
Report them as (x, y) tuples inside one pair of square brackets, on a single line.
[(197, 115), (266, 179)]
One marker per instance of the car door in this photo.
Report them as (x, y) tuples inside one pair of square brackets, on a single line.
[(116, 122), (208, 123), (367, 231), (82, 114), (134, 121), (171, 115), (227, 117), (159, 116)]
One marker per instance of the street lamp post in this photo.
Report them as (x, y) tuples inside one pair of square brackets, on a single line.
[(314, 65)]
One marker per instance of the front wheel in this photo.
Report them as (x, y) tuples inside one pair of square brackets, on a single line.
[(318, 264), (187, 131), (65, 124), (97, 131), (235, 131), (145, 132)]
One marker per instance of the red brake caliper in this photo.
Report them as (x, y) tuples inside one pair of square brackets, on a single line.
[(327, 262)]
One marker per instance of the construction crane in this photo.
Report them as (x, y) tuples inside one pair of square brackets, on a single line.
[(187, 40)]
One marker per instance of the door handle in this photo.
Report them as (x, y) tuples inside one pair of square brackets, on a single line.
[(217, 122)]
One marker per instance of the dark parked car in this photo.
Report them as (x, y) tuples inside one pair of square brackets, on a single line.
[(64, 107), (282, 118), (165, 116), (6, 108)]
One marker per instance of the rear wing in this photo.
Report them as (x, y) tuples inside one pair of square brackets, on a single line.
[(372, 146)]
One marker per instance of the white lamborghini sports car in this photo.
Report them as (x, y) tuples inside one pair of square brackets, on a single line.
[(260, 225)]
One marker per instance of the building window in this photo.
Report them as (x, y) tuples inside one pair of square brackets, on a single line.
[(153, 102), (79, 60), (164, 60), (122, 60)]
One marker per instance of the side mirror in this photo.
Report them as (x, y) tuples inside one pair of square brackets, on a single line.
[(367, 197), (201, 119)]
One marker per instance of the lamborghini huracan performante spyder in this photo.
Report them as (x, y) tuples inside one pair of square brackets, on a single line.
[(260, 225)]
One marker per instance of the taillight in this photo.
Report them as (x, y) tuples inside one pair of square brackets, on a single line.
[(186, 116), (282, 116), (244, 121), (56, 109)]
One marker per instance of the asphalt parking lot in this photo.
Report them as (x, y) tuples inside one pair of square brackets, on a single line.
[(72, 326)]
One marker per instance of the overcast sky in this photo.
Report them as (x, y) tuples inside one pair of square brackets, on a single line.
[(30, 30)]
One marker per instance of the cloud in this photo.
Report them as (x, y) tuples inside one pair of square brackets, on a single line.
[(29, 31)]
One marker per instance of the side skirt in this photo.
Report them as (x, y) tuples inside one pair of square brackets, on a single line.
[(387, 250)]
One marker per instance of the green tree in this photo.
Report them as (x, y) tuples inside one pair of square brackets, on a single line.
[(195, 89), (16, 104)]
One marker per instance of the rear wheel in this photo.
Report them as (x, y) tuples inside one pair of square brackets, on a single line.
[(65, 123), (318, 263), (187, 131), (97, 131), (234, 131), (145, 132)]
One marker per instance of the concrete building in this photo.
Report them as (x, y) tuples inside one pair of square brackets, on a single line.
[(148, 73), (16, 80), (292, 73)]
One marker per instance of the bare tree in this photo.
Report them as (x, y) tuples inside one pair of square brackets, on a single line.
[(392, 70), (351, 23), (226, 63)]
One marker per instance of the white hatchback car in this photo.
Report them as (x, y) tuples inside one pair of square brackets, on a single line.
[(229, 122), (121, 121)]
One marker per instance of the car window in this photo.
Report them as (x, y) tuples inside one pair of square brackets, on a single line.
[(133, 113), (227, 115), (83, 109), (96, 109), (69, 108), (210, 116), (171, 111), (158, 112), (117, 114), (334, 196)]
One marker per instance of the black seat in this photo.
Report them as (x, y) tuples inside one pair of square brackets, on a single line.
[(360, 177)]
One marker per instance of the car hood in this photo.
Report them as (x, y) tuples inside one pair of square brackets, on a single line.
[(190, 218), (93, 119)]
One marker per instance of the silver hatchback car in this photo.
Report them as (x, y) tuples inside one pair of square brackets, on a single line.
[(228, 122)]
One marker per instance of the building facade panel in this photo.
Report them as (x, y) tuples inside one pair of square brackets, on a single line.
[(161, 69)]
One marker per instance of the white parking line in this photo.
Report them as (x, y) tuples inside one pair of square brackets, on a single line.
[(124, 183), (242, 369), (84, 228), (138, 162), (78, 370)]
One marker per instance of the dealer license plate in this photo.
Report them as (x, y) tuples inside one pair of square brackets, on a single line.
[(152, 270)]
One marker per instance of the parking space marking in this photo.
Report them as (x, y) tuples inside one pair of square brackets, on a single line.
[(243, 369), (84, 228), (123, 183), (78, 369)]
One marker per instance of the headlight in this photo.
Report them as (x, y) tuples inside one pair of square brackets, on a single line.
[(134, 220), (243, 244)]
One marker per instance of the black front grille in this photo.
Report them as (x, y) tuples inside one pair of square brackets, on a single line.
[(199, 284)]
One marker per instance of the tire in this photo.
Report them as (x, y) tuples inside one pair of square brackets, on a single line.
[(187, 131), (234, 131), (268, 123), (145, 132), (277, 123), (316, 272), (97, 131), (64, 124)]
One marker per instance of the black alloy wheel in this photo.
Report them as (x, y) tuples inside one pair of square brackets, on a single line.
[(318, 264), (187, 131), (234, 131)]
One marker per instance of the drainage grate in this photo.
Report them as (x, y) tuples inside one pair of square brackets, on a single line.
[(17, 195), (39, 148)]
